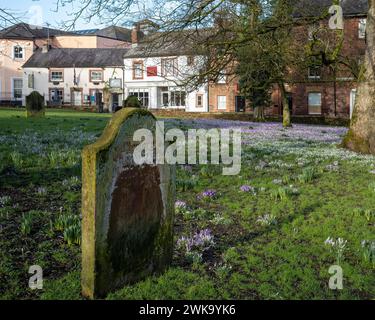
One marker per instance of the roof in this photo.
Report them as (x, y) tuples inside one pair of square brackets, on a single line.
[(316, 7), (26, 31), (79, 58), (113, 32), (86, 32), (159, 44)]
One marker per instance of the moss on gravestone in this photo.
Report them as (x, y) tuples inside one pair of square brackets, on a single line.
[(127, 209)]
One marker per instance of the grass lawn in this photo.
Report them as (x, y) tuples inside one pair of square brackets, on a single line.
[(263, 231)]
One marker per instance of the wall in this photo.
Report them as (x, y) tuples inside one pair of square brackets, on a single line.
[(353, 48), (87, 42), (42, 83), (9, 67), (74, 42), (153, 83), (229, 89)]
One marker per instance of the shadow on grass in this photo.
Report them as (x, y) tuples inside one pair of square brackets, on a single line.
[(13, 178), (280, 224)]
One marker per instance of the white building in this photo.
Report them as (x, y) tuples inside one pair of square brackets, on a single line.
[(156, 74), (76, 77), (156, 81)]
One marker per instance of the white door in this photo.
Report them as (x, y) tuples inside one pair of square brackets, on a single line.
[(77, 98), (353, 94)]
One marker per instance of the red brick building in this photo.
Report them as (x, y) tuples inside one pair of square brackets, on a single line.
[(317, 92)]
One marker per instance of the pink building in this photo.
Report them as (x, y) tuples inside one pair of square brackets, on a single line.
[(19, 42)]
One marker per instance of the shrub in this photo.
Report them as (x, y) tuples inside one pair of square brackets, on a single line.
[(132, 102)]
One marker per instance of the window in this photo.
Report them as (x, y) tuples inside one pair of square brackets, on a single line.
[(199, 102), (221, 102), (222, 78), (17, 52), (177, 98), (315, 103), (314, 72), (362, 28), (56, 75), (17, 88), (173, 98), (138, 70), (169, 67), (142, 95), (96, 75), (56, 95), (30, 81)]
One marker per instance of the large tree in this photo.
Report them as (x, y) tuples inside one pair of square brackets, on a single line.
[(361, 135)]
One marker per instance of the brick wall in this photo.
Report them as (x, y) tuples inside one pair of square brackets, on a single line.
[(353, 48), (229, 89)]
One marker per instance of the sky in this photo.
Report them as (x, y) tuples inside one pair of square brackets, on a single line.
[(41, 12)]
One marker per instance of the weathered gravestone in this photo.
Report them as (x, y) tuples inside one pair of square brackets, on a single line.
[(35, 106), (128, 209)]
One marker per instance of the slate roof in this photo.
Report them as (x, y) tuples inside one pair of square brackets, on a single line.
[(25, 31), (317, 7), (159, 44), (79, 58), (86, 32), (116, 32), (113, 32)]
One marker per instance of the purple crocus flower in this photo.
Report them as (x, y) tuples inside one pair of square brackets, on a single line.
[(180, 204), (203, 238), (246, 188), (208, 194)]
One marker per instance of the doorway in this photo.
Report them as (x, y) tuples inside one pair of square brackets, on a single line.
[(77, 97), (115, 101), (240, 104)]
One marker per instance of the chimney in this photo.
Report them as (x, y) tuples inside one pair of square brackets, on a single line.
[(135, 35), (45, 47)]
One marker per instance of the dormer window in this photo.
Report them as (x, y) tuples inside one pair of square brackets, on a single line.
[(18, 52)]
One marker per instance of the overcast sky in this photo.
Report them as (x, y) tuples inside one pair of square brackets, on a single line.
[(48, 7)]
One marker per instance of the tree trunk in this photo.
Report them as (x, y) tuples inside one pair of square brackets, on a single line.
[(361, 135), (287, 121), (259, 114)]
